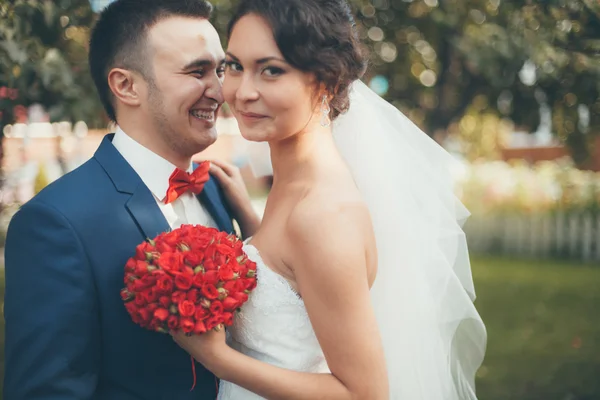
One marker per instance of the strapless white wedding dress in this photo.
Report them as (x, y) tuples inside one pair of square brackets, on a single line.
[(273, 327)]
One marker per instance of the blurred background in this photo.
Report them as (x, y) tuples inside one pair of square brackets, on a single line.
[(509, 87)]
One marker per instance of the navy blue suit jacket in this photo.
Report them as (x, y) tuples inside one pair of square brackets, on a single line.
[(68, 335)]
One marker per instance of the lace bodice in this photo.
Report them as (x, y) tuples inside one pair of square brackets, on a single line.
[(273, 326)]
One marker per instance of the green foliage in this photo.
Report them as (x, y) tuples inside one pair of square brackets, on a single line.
[(43, 59)]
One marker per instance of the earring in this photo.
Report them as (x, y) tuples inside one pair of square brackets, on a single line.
[(325, 110)]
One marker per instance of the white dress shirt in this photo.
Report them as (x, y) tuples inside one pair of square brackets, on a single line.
[(155, 172)]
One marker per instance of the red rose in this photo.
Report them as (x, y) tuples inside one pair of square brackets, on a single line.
[(140, 300), (149, 295), (149, 280), (161, 314), (162, 247), (201, 313), (199, 328), (178, 297), (145, 315), (228, 318), (198, 280), (231, 286), (152, 307), (130, 265), (187, 325), (173, 322), (141, 268), (172, 239), (193, 296), (224, 249), (154, 325), (213, 321), (142, 249), (225, 273), (250, 283), (200, 242), (193, 258), (138, 285), (165, 284), (241, 297), (211, 277), (186, 308), (209, 264), (183, 281), (251, 265), (220, 259), (158, 273), (164, 301), (136, 317), (210, 291), (230, 304), (216, 307), (170, 261)]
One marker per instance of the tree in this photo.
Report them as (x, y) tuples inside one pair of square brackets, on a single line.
[(447, 54)]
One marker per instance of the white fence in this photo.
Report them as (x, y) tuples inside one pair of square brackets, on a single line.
[(557, 235)]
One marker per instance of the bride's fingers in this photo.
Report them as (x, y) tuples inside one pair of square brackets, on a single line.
[(229, 169), (218, 173)]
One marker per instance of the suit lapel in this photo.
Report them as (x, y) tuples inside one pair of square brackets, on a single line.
[(141, 205), (211, 199), (144, 210)]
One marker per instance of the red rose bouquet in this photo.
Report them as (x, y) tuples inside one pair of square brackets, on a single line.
[(192, 279)]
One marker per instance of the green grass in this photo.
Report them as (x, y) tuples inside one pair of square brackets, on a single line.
[(543, 330)]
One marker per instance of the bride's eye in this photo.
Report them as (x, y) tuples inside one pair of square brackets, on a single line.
[(233, 66), (273, 71)]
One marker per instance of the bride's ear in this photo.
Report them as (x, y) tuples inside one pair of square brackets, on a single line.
[(320, 92), (126, 86)]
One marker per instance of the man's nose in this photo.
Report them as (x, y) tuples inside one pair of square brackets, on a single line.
[(215, 90)]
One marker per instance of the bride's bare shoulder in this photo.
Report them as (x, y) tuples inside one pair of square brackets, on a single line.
[(328, 210)]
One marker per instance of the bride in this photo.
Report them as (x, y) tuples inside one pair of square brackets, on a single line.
[(364, 283)]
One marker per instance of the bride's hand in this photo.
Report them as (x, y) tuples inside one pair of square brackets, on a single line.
[(206, 348), (237, 196)]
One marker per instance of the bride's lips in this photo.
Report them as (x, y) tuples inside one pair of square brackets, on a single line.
[(251, 117)]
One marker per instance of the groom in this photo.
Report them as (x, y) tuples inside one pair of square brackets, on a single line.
[(158, 67)]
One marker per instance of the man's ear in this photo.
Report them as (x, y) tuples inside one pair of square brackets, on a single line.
[(126, 86)]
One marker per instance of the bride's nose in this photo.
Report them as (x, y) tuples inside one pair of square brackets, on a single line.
[(247, 91)]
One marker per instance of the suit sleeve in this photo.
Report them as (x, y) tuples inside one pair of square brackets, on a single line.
[(52, 343)]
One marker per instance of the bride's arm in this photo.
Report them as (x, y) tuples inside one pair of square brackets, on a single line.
[(330, 265)]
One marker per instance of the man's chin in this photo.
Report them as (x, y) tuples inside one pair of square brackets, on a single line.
[(204, 138)]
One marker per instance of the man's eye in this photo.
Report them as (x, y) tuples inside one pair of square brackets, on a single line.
[(198, 73)]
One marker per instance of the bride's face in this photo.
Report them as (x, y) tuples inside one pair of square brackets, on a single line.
[(270, 99)]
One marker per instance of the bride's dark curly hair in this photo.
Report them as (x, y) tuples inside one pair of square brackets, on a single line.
[(314, 36)]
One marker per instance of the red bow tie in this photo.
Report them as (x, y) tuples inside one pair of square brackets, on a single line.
[(181, 181)]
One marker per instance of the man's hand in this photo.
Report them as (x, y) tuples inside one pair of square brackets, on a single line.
[(236, 195)]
